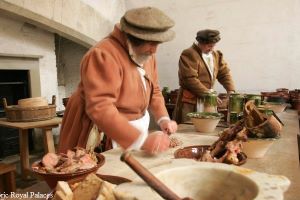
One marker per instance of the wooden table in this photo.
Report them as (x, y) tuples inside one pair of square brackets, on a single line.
[(45, 125), (281, 159), (283, 156)]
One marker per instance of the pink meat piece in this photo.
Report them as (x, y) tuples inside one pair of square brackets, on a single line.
[(234, 146), (80, 152), (50, 160), (70, 154), (87, 159)]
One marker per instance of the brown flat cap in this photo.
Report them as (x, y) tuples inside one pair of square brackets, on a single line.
[(148, 23), (208, 36)]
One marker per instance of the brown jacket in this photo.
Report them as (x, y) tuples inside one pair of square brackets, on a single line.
[(110, 94), (194, 76)]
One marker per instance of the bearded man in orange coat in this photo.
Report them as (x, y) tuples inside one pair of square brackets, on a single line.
[(119, 85)]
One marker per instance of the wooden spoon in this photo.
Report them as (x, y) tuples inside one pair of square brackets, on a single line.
[(149, 178)]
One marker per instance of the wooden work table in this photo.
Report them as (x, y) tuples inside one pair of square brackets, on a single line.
[(45, 125), (281, 159)]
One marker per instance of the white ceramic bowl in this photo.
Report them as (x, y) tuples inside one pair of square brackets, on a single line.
[(205, 122), (257, 147)]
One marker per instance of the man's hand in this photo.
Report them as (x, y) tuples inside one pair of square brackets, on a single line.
[(156, 142), (168, 126), (219, 101)]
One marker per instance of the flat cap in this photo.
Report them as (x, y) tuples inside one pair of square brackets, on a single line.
[(208, 36), (148, 23)]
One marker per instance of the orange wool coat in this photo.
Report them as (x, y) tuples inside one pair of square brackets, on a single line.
[(110, 94)]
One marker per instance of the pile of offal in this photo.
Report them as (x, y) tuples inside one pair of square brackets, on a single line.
[(255, 124), (228, 148)]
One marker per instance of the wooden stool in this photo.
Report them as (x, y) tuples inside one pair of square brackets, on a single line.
[(7, 176)]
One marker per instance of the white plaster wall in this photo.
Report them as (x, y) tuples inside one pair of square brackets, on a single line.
[(112, 10), (71, 55), (17, 38), (83, 21), (260, 39)]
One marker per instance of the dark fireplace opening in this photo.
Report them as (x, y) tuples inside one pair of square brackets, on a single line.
[(14, 85)]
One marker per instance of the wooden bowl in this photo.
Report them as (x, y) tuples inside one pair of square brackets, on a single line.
[(196, 152), (52, 178)]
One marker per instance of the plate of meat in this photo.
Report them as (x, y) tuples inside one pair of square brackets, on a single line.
[(64, 167), (203, 153), (227, 149)]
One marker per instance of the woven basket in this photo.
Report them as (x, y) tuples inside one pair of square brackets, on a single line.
[(15, 113)]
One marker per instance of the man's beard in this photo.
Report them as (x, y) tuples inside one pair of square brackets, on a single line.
[(139, 59)]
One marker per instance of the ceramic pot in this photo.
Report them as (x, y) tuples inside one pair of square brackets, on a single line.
[(270, 128), (255, 97), (295, 94), (236, 102), (296, 104), (275, 97), (209, 102), (284, 90)]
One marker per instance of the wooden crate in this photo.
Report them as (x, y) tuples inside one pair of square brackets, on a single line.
[(15, 113)]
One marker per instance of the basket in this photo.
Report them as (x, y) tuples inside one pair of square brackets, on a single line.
[(15, 113)]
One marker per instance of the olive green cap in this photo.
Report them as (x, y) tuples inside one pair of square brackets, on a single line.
[(208, 36)]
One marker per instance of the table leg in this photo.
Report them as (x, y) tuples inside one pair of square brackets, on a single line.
[(24, 153), (48, 140)]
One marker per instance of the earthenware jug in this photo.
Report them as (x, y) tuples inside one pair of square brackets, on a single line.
[(210, 102), (255, 97)]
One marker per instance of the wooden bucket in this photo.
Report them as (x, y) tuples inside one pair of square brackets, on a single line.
[(16, 113)]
